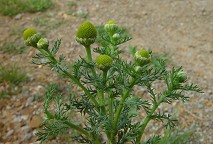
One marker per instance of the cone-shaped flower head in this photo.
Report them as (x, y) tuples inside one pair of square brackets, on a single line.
[(28, 33), (31, 37), (142, 57), (111, 27), (181, 77), (86, 34), (111, 22), (43, 43), (104, 62)]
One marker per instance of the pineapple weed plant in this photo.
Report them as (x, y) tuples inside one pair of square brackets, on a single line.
[(107, 100)]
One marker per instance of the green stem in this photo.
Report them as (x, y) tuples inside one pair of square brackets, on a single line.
[(111, 115), (110, 103), (77, 128), (148, 118), (101, 101), (120, 107), (71, 125), (89, 55), (83, 131), (101, 94), (76, 81), (89, 58), (81, 86), (104, 77), (97, 141)]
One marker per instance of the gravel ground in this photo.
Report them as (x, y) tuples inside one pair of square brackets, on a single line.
[(181, 28)]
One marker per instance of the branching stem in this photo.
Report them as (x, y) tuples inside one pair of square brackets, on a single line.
[(76, 81), (120, 107), (77, 128), (148, 118)]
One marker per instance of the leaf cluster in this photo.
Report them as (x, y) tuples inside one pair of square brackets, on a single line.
[(108, 102)]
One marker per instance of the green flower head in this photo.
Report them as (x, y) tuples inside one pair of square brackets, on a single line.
[(142, 57), (28, 33), (31, 37), (104, 62), (111, 22), (43, 43), (181, 77), (86, 34), (111, 27)]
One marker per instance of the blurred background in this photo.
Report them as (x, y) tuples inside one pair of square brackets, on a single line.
[(181, 31)]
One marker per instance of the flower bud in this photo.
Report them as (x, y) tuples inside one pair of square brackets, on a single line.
[(111, 27), (28, 33), (181, 77), (142, 57), (43, 43), (86, 34), (31, 37), (116, 36), (104, 62), (138, 68)]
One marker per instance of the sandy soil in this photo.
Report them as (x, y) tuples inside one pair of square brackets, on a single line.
[(181, 28)]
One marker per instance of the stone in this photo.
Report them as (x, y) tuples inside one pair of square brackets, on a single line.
[(27, 137), (18, 104), (29, 100), (27, 111), (8, 143), (25, 128), (3, 103), (11, 125), (19, 16), (24, 117), (35, 122), (1, 126), (9, 133)]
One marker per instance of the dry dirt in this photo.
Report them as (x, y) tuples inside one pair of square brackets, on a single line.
[(181, 28)]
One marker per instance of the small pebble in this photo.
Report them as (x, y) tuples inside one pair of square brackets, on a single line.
[(9, 133), (25, 128), (27, 137), (36, 121), (29, 101), (18, 103), (18, 17)]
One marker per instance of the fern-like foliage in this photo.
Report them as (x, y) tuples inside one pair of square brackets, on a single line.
[(107, 101)]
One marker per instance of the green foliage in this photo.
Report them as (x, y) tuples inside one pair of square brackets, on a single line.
[(72, 4), (47, 22), (12, 74), (10, 77), (4, 94), (53, 127), (82, 14), (8, 89), (13, 48), (15, 45), (14, 7), (107, 100), (72, 11), (177, 137), (102, 34)]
